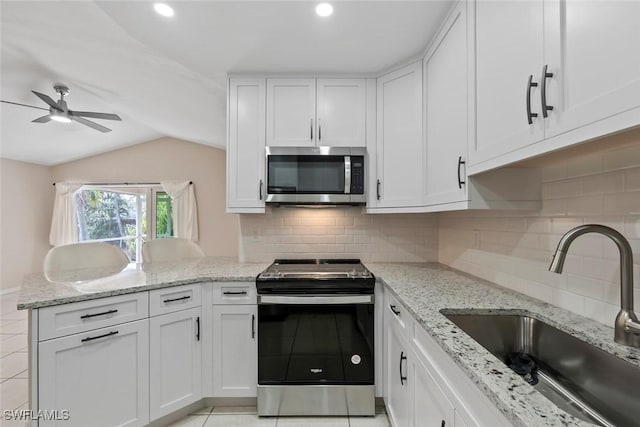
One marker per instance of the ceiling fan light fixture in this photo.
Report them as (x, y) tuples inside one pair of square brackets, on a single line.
[(163, 9), (60, 117), (324, 9)]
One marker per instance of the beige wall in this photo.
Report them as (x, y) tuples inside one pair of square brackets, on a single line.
[(25, 216), (338, 233), (514, 249), (169, 159)]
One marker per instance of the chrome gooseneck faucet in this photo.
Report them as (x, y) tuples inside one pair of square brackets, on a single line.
[(627, 327)]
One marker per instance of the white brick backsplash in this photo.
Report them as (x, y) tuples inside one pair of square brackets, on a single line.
[(568, 301), (338, 233), (584, 165), (623, 158), (562, 189), (516, 247), (612, 182)]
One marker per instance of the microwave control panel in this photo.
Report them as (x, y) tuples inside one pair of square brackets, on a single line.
[(357, 174)]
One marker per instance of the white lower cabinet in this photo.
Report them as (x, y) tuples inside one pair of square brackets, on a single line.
[(430, 404), (235, 350), (100, 377), (397, 392), (424, 387), (175, 361)]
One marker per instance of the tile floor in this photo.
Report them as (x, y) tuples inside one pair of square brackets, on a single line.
[(14, 387)]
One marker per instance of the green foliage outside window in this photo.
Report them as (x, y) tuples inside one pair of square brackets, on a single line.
[(164, 221)]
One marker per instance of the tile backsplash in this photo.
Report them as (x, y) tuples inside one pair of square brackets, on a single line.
[(514, 249), (510, 248), (344, 232)]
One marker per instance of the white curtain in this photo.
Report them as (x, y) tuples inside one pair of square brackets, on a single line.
[(185, 210), (64, 222)]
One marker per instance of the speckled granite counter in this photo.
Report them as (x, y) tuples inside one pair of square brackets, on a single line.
[(424, 289), (38, 291)]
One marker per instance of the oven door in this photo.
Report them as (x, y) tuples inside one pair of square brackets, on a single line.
[(323, 340)]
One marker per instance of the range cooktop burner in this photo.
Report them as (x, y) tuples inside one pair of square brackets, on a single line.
[(316, 276)]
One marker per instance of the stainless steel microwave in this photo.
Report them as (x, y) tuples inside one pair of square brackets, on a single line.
[(315, 175)]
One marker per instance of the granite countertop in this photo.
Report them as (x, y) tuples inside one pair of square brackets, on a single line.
[(424, 289), (39, 291)]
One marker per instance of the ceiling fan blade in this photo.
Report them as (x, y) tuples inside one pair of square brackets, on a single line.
[(105, 116), (43, 119), (91, 124), (47, 99), (24, 105)]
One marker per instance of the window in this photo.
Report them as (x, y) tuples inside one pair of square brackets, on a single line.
[(124, 216)]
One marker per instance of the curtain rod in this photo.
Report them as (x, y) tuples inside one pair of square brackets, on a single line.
[(106, 184)]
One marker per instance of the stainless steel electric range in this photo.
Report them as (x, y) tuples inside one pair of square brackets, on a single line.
[(316, 338)]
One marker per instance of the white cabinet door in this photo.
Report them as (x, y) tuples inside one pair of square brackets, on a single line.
[(400, 155), (235, 350), (430, 404), (291, 112), (101, 377), (341, 112), (509, 50), (175, 362), (245, 145), (396, 374), (445, 69), (593, 50)]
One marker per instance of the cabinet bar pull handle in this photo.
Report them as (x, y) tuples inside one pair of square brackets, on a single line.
[(442, 425), (177, 299), (99, 336), (393, 309), (402, 358), (319, 130), (234, 293), (311, 127), (530, 115), (253, 326), (378, 189), (198, 328), (543, 91), (104, 313), (260, 190), (460, 163)]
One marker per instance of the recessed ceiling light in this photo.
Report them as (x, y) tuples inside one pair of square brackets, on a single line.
[(324, 9), (163, 9)]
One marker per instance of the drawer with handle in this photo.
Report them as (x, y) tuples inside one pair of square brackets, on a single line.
[(67, 319), (396, 311), (234, 293), (176, 298)]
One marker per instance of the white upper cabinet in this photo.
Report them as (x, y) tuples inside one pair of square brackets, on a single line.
[(400, 155), (446, 104), (291, 112), (310, 112), (509, 57), (245, 147), (558, 71), (592, 48), (341, 112)]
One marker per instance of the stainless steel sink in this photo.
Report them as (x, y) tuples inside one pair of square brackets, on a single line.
[(579, 378)]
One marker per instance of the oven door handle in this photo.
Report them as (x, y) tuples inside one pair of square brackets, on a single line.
[(315, 299)]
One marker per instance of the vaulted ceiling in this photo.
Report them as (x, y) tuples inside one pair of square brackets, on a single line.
[(167, 76)]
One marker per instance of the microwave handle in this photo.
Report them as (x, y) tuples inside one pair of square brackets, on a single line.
[(347, 174)]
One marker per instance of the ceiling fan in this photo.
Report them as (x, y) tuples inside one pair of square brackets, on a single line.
[(59, 112)]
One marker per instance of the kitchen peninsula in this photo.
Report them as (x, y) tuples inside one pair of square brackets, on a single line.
[(421, 290)]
